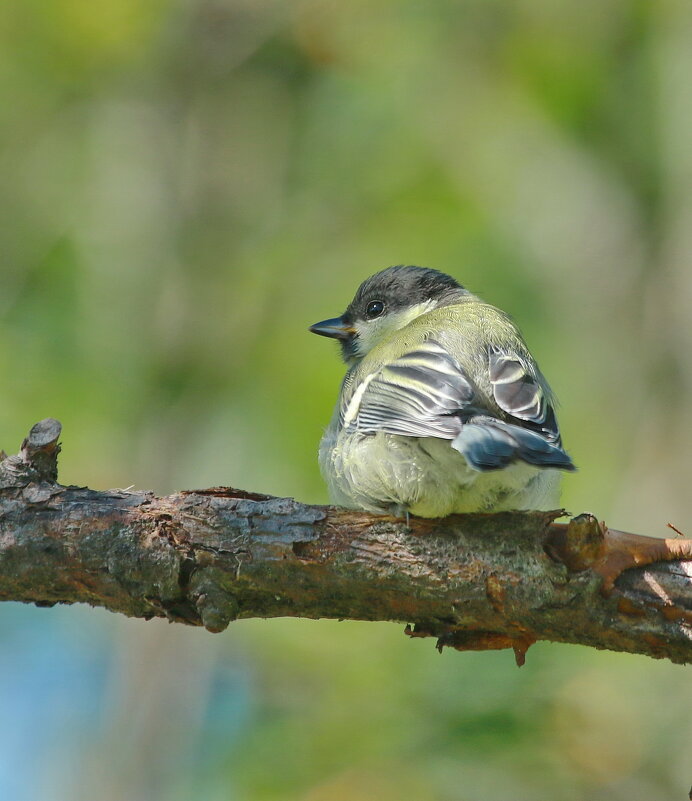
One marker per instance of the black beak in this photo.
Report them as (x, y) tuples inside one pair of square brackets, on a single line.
[(335, 328)]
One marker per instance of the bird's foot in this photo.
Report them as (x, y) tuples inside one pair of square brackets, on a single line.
[(401, 511)]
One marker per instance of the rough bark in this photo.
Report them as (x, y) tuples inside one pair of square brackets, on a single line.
[(210, 556)]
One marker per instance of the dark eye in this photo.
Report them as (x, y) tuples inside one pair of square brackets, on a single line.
[(374, 309)]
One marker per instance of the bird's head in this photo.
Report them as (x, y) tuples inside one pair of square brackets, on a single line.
[(386, 302)]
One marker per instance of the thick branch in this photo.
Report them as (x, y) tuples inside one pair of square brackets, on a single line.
[(208, 557)]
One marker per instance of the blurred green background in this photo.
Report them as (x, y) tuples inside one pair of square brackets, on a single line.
[(185, 187)]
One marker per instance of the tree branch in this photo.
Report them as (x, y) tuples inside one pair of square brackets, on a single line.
[(211, 556)]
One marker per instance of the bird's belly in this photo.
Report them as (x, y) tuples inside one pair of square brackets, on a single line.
[(427, 477)]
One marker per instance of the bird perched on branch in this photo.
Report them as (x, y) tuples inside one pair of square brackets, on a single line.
[(443, 408)]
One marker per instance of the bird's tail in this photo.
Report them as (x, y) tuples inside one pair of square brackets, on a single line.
[(489, 444)]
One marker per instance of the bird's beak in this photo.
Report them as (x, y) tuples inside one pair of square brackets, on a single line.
[(335, 328)]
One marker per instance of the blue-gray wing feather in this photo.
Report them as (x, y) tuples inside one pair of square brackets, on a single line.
[(490, 444), (426, 393)]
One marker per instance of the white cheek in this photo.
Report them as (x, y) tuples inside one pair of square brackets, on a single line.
[(370, 334), (373, 332)]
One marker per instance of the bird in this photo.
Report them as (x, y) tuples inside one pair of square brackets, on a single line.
[(443, 409)]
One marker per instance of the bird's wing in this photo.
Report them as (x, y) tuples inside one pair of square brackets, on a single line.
[(530, 434), (419, 394), (426, 393), (518, 393)]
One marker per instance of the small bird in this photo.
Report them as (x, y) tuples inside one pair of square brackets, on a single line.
[(443, 408)]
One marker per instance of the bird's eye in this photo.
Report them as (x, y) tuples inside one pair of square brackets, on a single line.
[(374, 309)]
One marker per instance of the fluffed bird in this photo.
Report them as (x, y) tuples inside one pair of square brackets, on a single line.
[(443, 408)]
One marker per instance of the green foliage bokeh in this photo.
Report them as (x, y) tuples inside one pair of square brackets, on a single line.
[(186, 186)]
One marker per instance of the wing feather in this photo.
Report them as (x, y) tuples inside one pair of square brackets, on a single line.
[(519, 393), (426, 393), (419, 394)]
